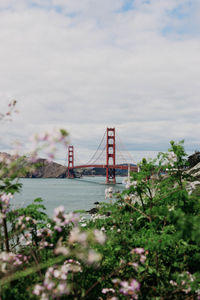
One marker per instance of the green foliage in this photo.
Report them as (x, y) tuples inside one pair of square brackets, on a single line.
[(63, 132), (153, 236)]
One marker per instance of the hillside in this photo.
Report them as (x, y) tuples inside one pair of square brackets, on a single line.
[(44, 169)]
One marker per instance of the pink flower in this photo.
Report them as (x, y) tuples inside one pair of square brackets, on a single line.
[(138, 250), (99, 236), (38, 289), (130, 289), (142, 258), (5, 202), (77, 236)]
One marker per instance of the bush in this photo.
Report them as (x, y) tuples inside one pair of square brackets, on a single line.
[(143, 246)]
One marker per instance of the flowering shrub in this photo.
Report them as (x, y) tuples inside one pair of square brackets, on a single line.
[(144, 245)]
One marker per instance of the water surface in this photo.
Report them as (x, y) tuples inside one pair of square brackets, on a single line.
[(73, 194)]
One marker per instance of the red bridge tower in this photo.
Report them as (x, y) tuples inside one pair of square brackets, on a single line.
[(70, 162), (110, 156)]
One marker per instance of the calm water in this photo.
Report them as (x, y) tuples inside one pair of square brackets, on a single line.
[(73, 194)]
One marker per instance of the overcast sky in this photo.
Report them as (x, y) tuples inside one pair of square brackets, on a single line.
[(84, 65)]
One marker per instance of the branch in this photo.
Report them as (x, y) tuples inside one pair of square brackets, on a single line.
[(138, 210)]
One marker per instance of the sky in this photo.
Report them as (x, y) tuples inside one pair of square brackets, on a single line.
[(85, 65)]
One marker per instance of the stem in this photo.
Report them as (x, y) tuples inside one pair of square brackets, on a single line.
[(151, 197), (36, 261), (141, 199), (6, 235)]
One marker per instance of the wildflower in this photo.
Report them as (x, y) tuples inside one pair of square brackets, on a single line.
[(77, 236), (99, 236), (130, 289), (172, 158), (38, 289), (93, 256), (5, 202), (48, 142), (107, 290), (62, 250), (134, 265), (108, 193), (142, 258), (103, 229), (25, 222), (10, 261), (61, 219), (115, 280), (138, 250)]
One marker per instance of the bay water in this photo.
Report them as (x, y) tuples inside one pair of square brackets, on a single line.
[(73, 194)]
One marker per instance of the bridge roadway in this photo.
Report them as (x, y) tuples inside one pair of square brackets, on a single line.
[(121, 167)]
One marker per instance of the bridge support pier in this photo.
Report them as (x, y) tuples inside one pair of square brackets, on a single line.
[(110, 156)]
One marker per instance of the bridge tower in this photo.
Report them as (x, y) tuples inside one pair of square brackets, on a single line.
[(110, 156), (70, 162)]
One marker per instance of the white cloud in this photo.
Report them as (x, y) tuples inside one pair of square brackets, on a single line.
[(90, 65)]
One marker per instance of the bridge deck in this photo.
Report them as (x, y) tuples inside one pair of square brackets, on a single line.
[(121, 167)]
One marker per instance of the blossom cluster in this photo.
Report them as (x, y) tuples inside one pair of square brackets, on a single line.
[(5, 202), (48, 142), (25, 222), (130, 289), (172, 157), (183, 282), (62, 219), (132, 199), (9, 261), (84, 239), (44, 235), (56, 283), (57, 280), (128, 183), (139, 254)]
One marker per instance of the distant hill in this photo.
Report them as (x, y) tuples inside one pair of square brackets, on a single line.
[(45, 169)]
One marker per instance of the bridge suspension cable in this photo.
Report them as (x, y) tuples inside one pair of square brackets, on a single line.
[(120, 143), (100, 155), (93, 156)]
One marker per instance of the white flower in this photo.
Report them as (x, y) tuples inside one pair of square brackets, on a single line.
[(172, 158), (109, 193), (77, 236), (93, 256), (99, 236), (103, 229), (38, 289), (107, 290)]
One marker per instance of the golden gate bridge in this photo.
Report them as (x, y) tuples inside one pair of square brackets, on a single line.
[(110, 149)]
